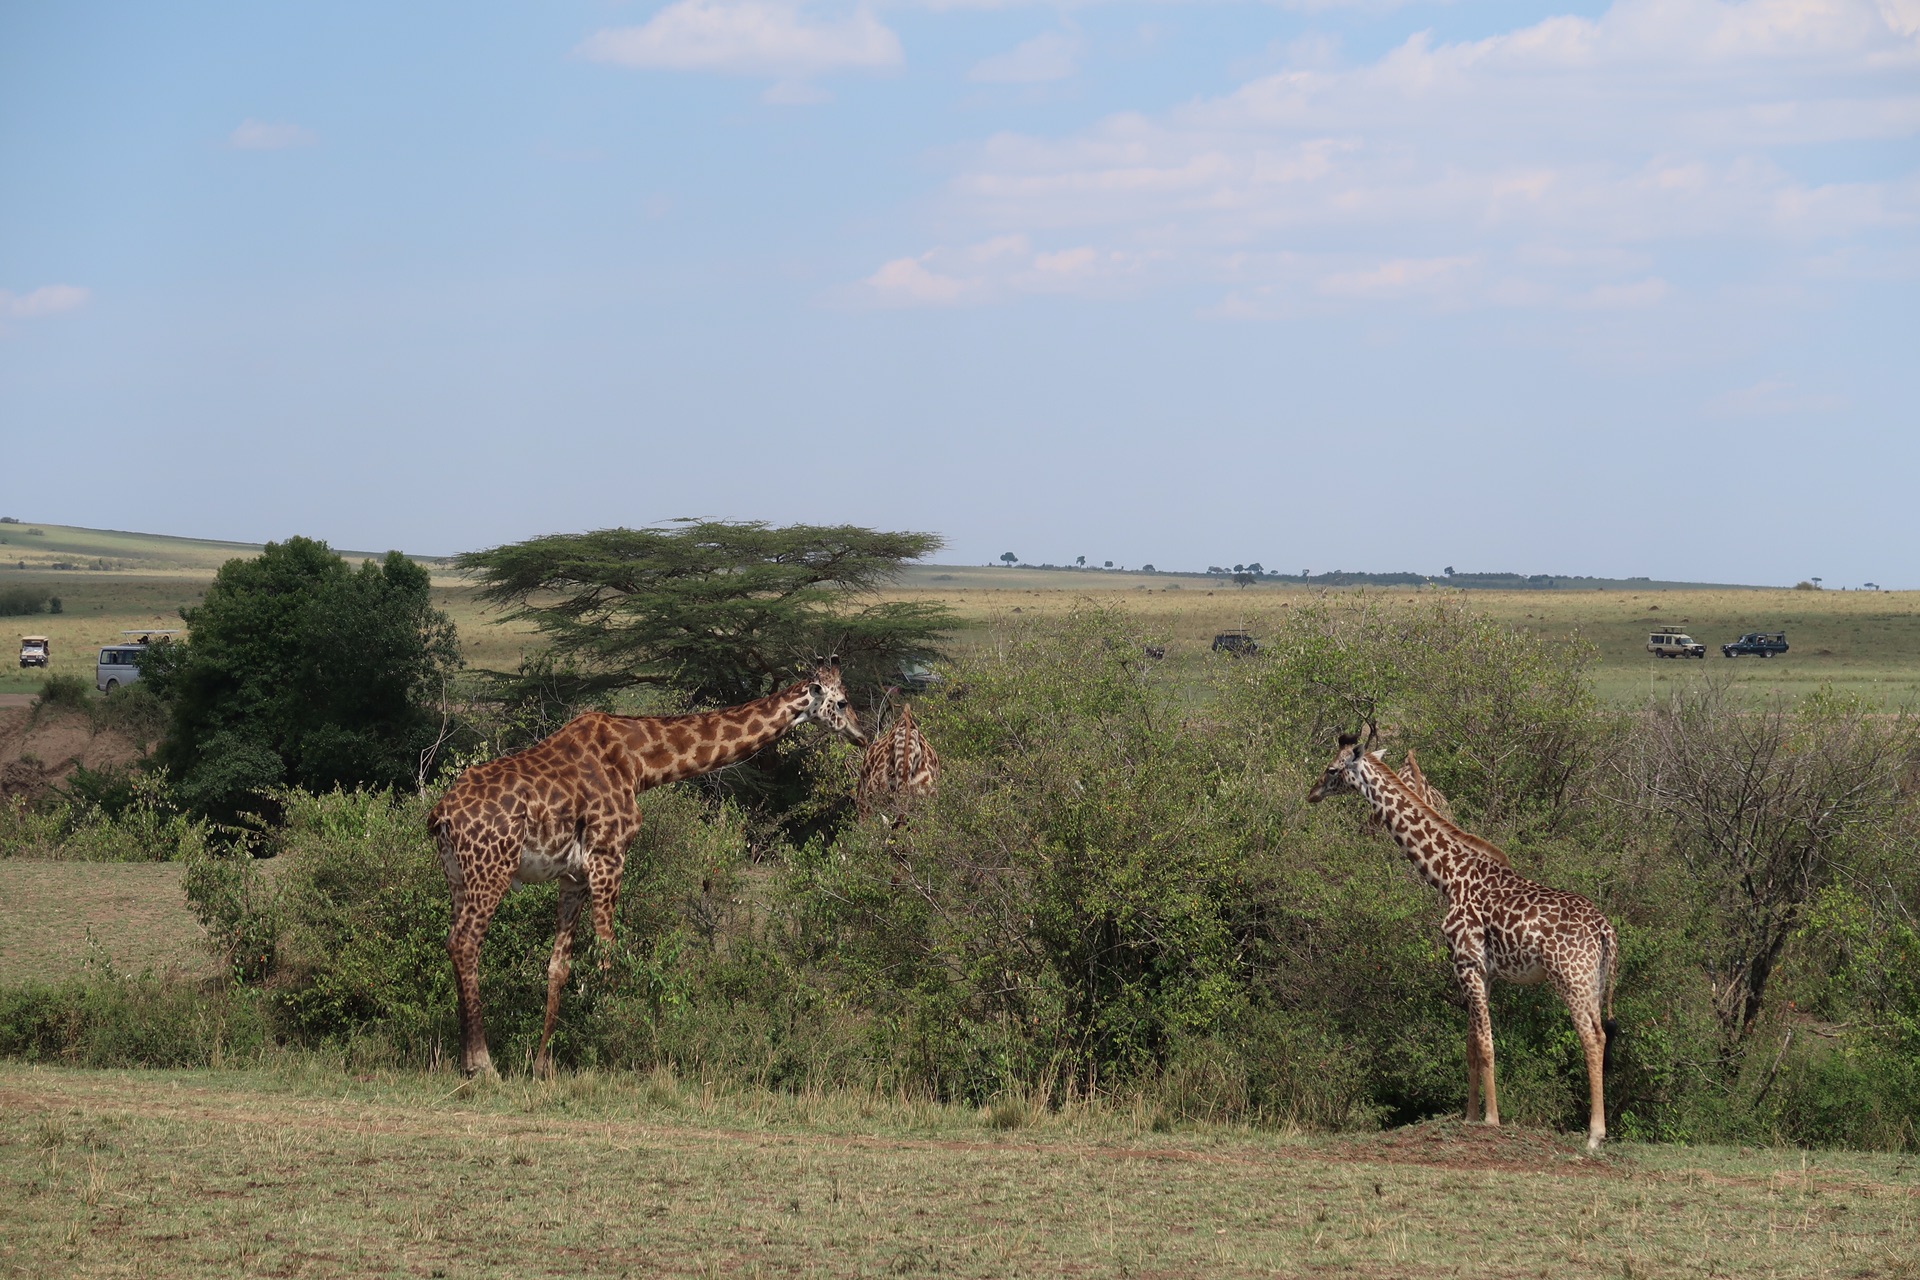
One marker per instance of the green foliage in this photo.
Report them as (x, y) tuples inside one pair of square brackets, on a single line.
[(1119, 893), (1504, 720), (1067, 911), (302, 672), (722, 611), (69, 692), (103, 817), (22, 601), (106, 1019)]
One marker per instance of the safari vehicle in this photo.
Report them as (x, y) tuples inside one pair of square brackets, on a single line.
[(1238, 643), (1675, 644), (35, 651), (1759, 644), (916, 677), (120, 663)]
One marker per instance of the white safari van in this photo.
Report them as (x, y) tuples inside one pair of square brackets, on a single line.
[(120, 663)]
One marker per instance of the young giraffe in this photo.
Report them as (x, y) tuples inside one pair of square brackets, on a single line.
[(566, 810), (1499, 924), (900, 764)]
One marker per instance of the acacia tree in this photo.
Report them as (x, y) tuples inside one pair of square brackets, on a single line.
[(722, 611)]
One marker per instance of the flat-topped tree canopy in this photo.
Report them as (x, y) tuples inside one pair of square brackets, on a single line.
[(725, 610)]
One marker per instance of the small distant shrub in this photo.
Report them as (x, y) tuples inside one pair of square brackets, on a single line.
[(68, 692), (56, 605)]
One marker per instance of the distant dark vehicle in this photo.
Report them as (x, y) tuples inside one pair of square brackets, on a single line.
[(1237, 643), (1758, 644), (35, 650), (1675, 644)]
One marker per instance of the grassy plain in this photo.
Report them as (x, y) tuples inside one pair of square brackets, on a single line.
[(306, 1170), (1864, 642), (130, 915)]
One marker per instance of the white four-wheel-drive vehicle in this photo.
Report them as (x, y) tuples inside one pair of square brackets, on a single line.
[(1675, 644), (35, 651)]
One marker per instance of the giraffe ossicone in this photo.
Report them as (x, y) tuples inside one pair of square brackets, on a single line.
[(1498, 925), (565, 809)]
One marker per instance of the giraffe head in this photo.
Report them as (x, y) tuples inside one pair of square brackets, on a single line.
[(1342, 770), (827, 701)]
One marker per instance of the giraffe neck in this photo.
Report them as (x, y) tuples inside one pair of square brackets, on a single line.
[(1419, 832), (665, 749)]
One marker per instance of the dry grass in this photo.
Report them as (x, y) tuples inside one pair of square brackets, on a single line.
[(1867, 643), (305, 1172)]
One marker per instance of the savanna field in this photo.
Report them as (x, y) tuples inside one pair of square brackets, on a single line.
[(1117, 1002)]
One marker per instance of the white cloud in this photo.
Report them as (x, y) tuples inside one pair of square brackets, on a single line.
[(999, 267), (748, 37), (908, 282), (1560, 164), (794, 93), (1772, 397), (1400, 277), (47, 300), (1051, 55), (261, 135)]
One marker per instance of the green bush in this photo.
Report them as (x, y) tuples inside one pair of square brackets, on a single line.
[(69, 692), (107, 1020), (103, 817), (22, 601), (1117, 893)]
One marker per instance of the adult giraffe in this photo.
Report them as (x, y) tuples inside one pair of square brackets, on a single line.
[(1499, 924), (566, 810)]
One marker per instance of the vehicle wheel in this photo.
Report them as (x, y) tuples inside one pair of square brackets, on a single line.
[(112, 685)]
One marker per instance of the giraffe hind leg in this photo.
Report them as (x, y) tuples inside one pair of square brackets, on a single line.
[(473, 908), (1480, 1029)]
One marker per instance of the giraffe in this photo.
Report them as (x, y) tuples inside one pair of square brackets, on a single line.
[(1429, 795), (899, 763), (1499, 924), (566, 809)]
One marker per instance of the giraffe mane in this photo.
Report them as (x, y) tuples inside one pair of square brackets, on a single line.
[(1472, 843)]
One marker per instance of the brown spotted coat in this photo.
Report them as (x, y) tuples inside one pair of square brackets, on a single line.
[(566, 810), (900, 766), (1498, 924)]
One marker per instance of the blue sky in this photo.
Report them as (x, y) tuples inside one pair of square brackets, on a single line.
[(1607, 289)]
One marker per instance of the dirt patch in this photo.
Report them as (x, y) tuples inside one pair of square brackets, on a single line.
[(1453, 1144), (41, 751)]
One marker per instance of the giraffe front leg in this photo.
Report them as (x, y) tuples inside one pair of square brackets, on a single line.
[(1473, 1078), (573, 897), (603, 878), (1480, 1033)]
